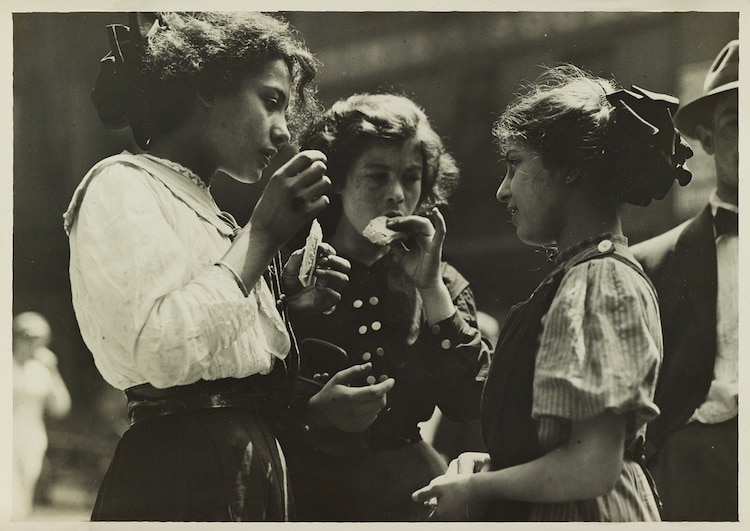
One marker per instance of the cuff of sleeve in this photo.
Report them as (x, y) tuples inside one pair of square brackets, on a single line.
[(449, 332), (236, 277)]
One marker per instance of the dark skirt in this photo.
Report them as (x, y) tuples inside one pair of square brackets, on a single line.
[(375, 488), (209, 465)]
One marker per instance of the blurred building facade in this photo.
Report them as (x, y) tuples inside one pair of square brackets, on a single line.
[(462, 67)]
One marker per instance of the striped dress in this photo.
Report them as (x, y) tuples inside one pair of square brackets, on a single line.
[(587, 341), (600, 349)]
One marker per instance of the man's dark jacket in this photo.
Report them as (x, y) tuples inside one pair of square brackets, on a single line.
[(682, 265)]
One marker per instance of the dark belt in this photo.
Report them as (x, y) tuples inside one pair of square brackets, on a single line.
[(147, 402)]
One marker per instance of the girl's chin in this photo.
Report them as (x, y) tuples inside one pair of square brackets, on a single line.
[(246, 177), (534, 239)]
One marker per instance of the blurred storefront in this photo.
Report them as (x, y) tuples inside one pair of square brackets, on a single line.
[(462, 67)]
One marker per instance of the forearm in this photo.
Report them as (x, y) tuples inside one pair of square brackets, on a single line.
[(555, 477), (586, 467), (250, 254), (437, 303)]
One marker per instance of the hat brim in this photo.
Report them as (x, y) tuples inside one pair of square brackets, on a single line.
[(692, 114)]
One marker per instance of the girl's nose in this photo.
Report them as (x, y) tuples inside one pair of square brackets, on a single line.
[(280, 132), (396, 191), (503, 191)]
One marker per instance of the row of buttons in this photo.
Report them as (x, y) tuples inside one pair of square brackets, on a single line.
[(358, 303), (380, 351)]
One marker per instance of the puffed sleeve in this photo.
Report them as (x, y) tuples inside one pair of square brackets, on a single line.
[(600, 346), (151, 305)]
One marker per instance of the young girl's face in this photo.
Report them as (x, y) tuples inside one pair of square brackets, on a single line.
[(385, 180), (533, 194), (247, 126)]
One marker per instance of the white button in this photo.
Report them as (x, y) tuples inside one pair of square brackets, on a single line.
[(366, 356), (371, 379), (374, 301), (445, 344), (604, 246), (435, 329), (376, 325), (362, 329), (380, 351), (358, 303)]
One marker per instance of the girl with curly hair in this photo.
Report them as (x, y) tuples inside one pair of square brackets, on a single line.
[(405, 327), (571, 387), (181, 307)]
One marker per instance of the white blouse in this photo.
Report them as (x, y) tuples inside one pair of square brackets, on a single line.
[(151, 304)]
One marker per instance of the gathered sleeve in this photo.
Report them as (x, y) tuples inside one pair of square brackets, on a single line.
[(600, 348), (151, 304)]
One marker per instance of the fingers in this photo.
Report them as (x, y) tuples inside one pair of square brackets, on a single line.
[(294, 262), (413, 225), (373, 392), (327, 278), (355, 377), (333, 262), (465, 464), (304, 177), (302, 161), (352, 375), (425, 494), (326, 249), (438, 221), (452, 468)]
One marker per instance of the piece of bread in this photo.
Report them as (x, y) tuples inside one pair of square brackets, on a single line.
[(379, 234), (310, 255)]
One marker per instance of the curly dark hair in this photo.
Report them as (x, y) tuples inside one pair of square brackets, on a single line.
[(625, 140), (350, 126), (209, 51)]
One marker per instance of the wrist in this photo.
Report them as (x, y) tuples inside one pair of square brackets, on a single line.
[(263, 241), (437, 302), (475, 485), (315, 414)]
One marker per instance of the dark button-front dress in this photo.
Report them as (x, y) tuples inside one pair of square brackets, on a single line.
[(337, 476)]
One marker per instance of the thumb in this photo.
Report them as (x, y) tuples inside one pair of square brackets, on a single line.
[(352, 375), (438, 221)]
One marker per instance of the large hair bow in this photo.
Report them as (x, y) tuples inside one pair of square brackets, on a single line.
[(117, 81), (644, 118)]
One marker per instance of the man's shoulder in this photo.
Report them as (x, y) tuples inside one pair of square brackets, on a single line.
[(660, 244)]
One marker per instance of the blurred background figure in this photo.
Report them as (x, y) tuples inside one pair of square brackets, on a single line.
[(38, 389), (449, 437)]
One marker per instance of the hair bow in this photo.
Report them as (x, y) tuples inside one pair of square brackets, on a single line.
[(118, 77), (644, 118)]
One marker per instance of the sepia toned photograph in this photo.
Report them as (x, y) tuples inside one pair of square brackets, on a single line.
[(431, 264)]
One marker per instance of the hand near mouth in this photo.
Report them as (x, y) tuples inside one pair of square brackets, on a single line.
[(421, 261)]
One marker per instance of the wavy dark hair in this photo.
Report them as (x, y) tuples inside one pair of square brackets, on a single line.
[(351, 125), (156, 69), (625, 139)]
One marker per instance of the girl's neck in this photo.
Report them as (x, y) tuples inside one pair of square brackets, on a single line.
[(348, 241), (588, 219), (184, 151)]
